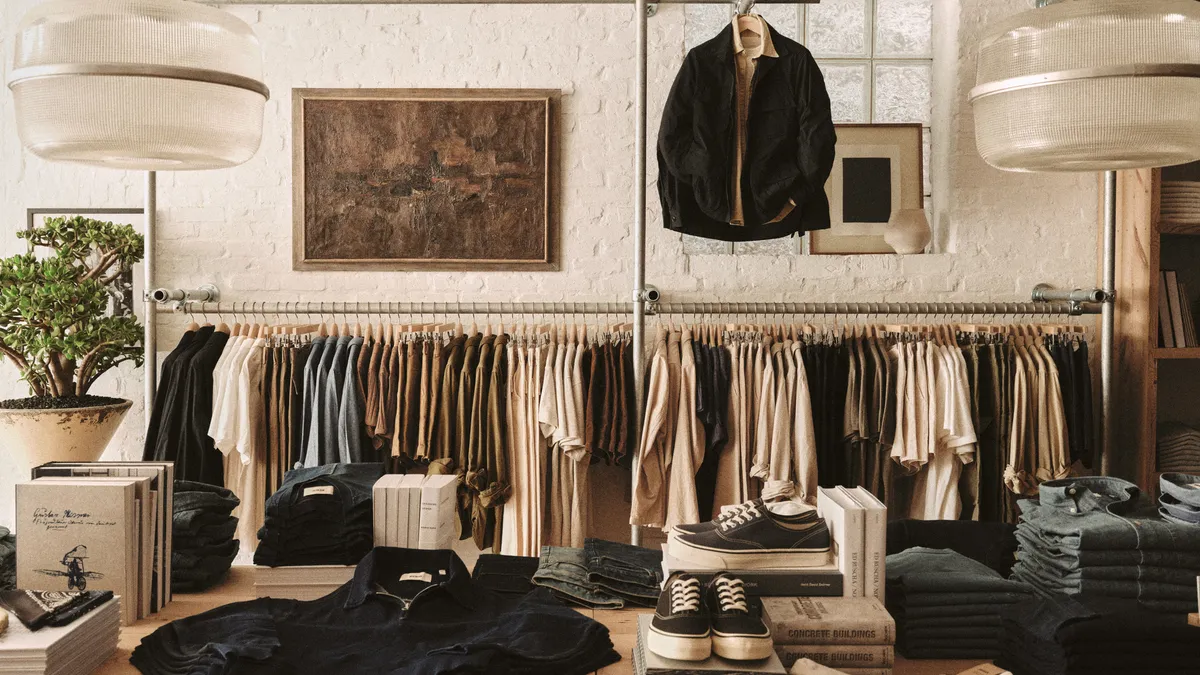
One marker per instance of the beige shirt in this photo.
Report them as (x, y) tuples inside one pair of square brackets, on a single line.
[(747, 50)]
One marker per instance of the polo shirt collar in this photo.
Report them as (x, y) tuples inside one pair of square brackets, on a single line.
[(389, 564), (768, 43)]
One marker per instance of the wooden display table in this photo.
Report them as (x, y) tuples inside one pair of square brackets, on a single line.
[(240, 586)]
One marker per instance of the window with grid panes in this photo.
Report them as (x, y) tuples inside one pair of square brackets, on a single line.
[(877, 59)]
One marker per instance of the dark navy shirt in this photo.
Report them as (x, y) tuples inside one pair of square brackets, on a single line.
[(406, 611)]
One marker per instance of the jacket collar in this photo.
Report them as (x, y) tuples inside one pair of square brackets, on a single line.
[(383, 566), (768, 46), (720, 47)]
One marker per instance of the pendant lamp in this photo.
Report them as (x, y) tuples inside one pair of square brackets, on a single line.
[(1090, 85), (138, 84)]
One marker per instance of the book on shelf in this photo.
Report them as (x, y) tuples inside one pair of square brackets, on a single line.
[(874, 540), (1166, 334), (1189, 323), (845, 519), (839, 656), (817, 581), (1175, 302), (646, 662), (828, 621)]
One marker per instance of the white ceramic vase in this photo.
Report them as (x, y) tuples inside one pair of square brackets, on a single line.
[(907, 231)]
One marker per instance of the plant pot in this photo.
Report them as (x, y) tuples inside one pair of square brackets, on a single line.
[(30, 438)]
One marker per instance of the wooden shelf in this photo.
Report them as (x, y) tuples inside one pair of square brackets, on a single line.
[(1176, 353), (1176, 227)]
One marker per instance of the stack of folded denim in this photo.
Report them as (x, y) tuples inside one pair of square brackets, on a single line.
[(1080, 635), (946, 605), (602, 574), (1100, 536), (203, 546), (505, 574), (1179, 498), (319, 516), (8, 560)]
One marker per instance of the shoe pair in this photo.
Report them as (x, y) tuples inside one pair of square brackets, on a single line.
[(755, 535), (690, 622)]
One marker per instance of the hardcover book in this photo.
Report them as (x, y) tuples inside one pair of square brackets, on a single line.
[(828, 621), (845, 519), (839, 656), (437, 512), (408, 510), (815, 581), (162, 485), (874, 540), (79, 535)]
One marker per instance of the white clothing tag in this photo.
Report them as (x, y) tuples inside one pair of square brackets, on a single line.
[(416, 576), (319, 490)]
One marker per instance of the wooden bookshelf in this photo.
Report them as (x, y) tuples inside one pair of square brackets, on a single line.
[(1145, 246)]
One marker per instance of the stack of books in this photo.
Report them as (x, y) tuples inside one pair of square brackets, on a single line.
[(1176, 327), (855, 636), (301, 582), (415, 511), (100, 526), (646, 662), (77, 648), (858, 527)]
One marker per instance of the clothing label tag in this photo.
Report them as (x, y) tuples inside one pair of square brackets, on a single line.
[(416, 576), (320, 490)]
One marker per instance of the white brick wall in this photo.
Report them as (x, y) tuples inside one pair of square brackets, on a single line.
[(999, 233)]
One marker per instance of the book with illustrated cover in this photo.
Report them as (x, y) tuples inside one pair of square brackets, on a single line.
[(79, 535), (646, 662), (828, 621), (162, 485)]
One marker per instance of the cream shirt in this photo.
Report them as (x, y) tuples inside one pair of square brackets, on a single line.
[(747, 50)]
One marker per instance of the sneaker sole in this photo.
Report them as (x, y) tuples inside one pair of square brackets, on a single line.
[(679, 647), (742, 648), (747, 560)]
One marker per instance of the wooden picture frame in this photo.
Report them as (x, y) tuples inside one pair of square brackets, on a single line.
[(425, 179), (887, 160)]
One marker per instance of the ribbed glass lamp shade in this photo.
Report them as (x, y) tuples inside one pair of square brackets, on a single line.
[(1091, 85), (138, 84)]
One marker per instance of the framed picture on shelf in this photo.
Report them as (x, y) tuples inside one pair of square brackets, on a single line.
[(876, 171), (424, 179), (129, 289)]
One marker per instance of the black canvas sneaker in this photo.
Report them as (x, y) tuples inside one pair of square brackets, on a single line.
[(756, 538), (781, 508), (680, 629), (738, 631)]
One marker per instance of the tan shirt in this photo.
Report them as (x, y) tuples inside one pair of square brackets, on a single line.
[(747, 50)]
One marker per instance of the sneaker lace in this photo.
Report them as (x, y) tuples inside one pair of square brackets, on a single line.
[(685, 595), (731, 594), (743, 516), (733, 511)]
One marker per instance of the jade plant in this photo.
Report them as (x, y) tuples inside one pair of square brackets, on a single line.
[(66, 312)]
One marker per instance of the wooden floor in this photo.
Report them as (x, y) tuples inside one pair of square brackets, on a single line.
[(240, 586)]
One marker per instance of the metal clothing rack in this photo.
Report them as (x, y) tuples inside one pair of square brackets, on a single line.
[(643, 297), (252, 308)]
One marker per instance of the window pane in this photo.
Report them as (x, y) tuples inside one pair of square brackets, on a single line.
[(849, 95), (902, 92), (903, 28), (839, 28), (700, 246)]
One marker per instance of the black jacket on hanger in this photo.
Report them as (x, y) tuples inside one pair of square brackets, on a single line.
[(789, 144)]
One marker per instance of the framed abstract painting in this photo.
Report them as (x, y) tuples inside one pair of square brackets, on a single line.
[(424, 179), (876, 170)]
